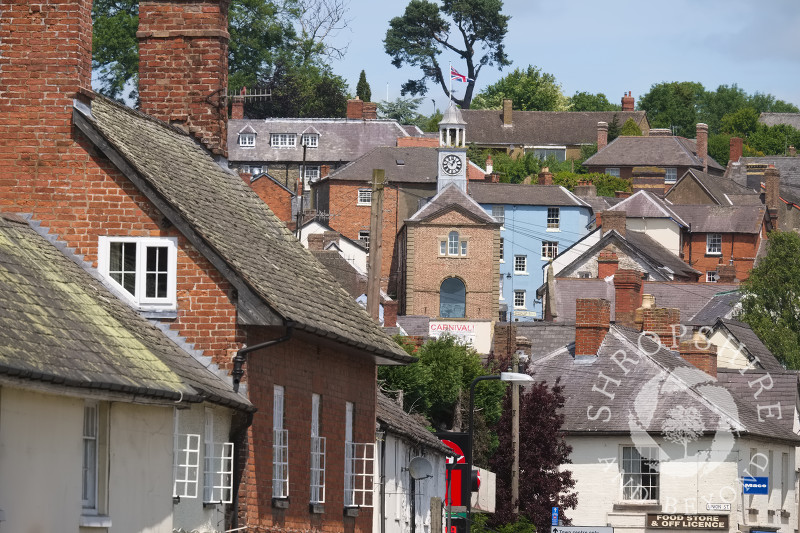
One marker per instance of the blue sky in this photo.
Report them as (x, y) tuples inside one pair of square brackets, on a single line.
[(612, 46)]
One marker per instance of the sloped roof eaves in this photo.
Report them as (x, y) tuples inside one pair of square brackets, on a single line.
[(240, 227), (719, 306), (63, 327), (651, 248), (401, 423), (747, 337), (646, 204), (518, 194)]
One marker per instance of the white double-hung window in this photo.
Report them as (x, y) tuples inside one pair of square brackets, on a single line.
[(280, 447), (143, 269), (218, 467), (317, 454), (640, 473), (283, 140), (714, 243)]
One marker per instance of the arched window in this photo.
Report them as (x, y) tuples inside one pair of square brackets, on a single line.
[(452, 299), (452, 243)]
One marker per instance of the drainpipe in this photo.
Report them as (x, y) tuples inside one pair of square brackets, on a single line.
[(239, 359), (383, 479)]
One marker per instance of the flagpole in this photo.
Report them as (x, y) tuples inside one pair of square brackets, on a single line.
[(451, 83)]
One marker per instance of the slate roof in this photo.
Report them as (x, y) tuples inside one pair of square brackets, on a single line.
[(658, 151), (773, 119), (660, 386), (448, 197), (62, 327), (721, 305), (546, 337), (237, 226), (644, 204), (518, 194), (789, 168), (402, 165), (414, 325), (485, 126), (723, 219), (748, 338), (401, 423), (723, 190), (339, 139)]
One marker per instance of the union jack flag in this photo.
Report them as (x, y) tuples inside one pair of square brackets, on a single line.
[(454, 75)]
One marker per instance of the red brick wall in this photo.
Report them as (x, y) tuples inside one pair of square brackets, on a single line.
[(660, 321), (183, 65), (303, 368), (430, 142), (276, 197), (742, 247), (592, 320), (627, 296)]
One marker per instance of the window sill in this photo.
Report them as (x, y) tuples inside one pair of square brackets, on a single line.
[(554, 230), (520, 273), (280, 503), (159, 314), (637, 506), (94, 521), (316, 508), (363, 205), (713, 254)]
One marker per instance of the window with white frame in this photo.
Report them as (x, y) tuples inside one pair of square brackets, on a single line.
[(144, 268), (280, 447), (310, 140), (317, 454), (499, 213), (553, 218), (502, 250), (247, 140), (453, 245), (612, 171), (520, 264), (364, 197), (559, 153), (359, 468), (363, 236), (218, 466), (549, 249), (91, 423), (519, 299), (712, 276), (640, 473), (283, 140), (714, 243), (311, 174), (670, 175), (185, 462)]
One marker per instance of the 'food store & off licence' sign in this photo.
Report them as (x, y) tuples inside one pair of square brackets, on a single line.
[(687, 521)]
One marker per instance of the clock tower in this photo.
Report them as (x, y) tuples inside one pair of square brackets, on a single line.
[(452, 150)]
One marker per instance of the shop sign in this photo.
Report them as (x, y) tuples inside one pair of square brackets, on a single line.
[(687, 521)]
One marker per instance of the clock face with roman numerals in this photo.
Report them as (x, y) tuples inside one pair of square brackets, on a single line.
[(451, 164)]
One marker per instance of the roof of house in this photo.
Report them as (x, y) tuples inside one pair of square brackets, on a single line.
[(415, 325), (788, 166), (274, 275), (519, 194), (402, 165), (555, 128), (340, 139), (751, 343), (721, 305), (773, 119), (659, 151), (636, 407), (722, 219), (644, 204), (722, 190), (449, 197), (63, 328), (545, 337), (690, 298), (397, 421)]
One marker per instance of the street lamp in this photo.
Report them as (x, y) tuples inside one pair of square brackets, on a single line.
[(512, 377)]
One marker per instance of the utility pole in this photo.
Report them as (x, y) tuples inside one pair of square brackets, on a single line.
[(515, 435), (375, 244)]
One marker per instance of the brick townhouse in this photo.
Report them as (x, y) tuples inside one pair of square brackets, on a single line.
[(142, 199)]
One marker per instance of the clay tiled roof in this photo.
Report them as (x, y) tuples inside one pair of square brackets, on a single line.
[(509, 193), (405, 425), (655, 151), (258, 251), (61, 327), (339, 139), (485, 126)]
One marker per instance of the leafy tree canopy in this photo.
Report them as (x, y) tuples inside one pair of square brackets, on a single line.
[(771, 302), (740, 123), (583, 101), (115, 49), (403, 110), (473, 30), (771, 140), (530, 89), (673, 105), (630, 128), (363, 90)]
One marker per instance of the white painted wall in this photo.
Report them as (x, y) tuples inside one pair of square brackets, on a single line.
[(398, 484), (570, 255), (686, 487), (662, 230), (353, 254), (728, 353)]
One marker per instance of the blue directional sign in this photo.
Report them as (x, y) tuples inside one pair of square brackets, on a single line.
[(554, 520), (755, 485)]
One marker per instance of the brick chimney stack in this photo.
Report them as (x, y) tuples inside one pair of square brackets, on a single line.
[(627, 102), (355, 109), (607, 263), (390, 313), (237, 106), (615, 220), (183, 66), (592, 320), (792, 151), (545, 177), (726, 273), (508, 119), (772, 193), (602, 135), (700, 353), (627, 296), (702, 144), (664, 322), (736, 149)]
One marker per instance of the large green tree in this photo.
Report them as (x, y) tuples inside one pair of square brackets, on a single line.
[(115, 49), (363, 89), (583, 101), (771, 302), (530, 89), (473, 30), (673, 105)]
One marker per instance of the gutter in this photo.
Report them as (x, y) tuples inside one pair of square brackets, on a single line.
[(239, 359)]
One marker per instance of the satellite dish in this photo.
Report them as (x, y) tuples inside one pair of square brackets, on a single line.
[(420, 468)]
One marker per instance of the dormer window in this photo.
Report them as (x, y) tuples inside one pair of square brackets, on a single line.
[(247, 140), (310, 140)]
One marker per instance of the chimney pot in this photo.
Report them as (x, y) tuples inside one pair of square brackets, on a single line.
[(627, 102)]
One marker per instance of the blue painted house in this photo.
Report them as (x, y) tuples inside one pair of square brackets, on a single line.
[(539, 222)]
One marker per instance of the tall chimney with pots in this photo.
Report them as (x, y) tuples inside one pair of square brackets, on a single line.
[(627, 296), (508, 119), (772, 194), (355, 109), (183, 66), (627, 102), (602, 135), (664, 322), (736, 149), (237, 106), (701, 353), (615, 220), (702, 144), (592, 320)]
